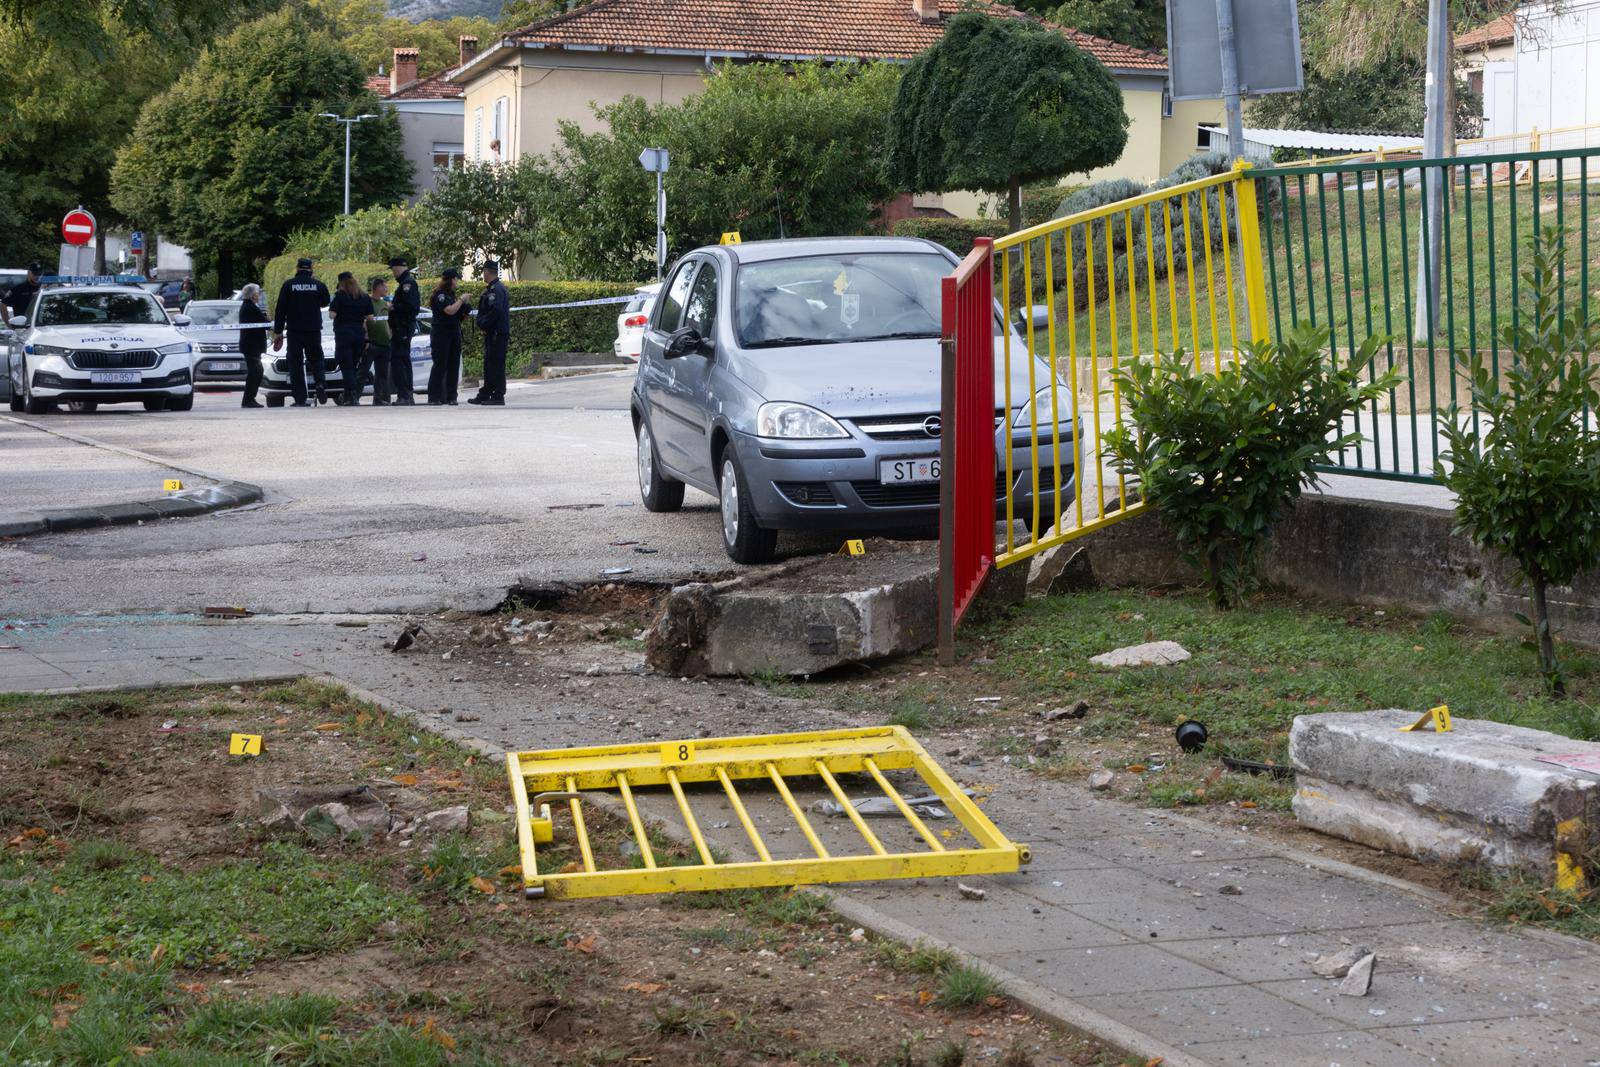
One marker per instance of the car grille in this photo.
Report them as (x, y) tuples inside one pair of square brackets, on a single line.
[(808, 494), (134, 359), (926, 494), (906, 427), (216, 347)]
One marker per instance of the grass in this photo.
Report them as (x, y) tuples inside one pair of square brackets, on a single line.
[(966, 986)]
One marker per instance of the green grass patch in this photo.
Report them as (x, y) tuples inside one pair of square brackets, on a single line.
[(967, 986)]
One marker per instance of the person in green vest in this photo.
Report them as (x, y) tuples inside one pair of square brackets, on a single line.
[(375, 360)]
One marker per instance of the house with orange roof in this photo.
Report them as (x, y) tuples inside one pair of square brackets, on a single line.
[(430, 111)]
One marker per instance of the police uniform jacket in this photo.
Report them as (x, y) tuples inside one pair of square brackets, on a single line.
[(494, 309), (443, 321), (300, 304), (406, 305), (21, 296)]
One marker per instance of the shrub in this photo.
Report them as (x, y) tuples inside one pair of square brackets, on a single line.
[(280, 268), (958, 235), (1221, 456), (1527, 474)]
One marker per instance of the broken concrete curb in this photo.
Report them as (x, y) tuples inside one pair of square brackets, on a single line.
[(182, 504)]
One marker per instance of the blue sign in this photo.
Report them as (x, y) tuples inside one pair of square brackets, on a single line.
[(136, 242)]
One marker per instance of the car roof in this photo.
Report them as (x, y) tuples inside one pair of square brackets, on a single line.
[(129, 289), (797, 247)]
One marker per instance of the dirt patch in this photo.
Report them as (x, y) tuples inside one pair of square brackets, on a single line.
[(697, 978)]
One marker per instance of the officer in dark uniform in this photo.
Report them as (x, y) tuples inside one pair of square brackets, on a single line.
[(494, 319), (403, 314), (449, 307), (299, 309), (20, 298)]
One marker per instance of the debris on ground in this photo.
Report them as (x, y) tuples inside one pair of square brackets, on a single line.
[(1359, 981), (1191, 735), (928, 807), (1044, 744), (573, 507), (971, 892), (1150, 654), (1076, 710), (451, 820), (326, 812), (1231, 890), (1338, 965), (227, 613), (408, 637), (1101, 780)]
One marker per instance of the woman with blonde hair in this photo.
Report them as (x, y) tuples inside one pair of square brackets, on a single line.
[(252, 341)]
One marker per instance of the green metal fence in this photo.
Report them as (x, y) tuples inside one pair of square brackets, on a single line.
[(1341, 244)]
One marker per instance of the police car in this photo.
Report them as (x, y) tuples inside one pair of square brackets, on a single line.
[(275, 381), (88, 345)]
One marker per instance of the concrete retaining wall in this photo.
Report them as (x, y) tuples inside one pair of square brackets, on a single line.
[(1360, 550)]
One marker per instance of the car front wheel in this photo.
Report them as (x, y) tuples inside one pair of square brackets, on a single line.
[(660, 493), (742, 535), (34, 406), (181, 403)]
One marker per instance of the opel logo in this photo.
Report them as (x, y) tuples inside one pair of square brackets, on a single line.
[(932, 425)]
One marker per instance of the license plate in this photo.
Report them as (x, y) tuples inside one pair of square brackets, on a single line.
[(908, 471), (220, 365), (114, 377)]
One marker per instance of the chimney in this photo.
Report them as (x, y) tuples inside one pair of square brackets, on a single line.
[(405, 68), (925, 10), (469, 49)]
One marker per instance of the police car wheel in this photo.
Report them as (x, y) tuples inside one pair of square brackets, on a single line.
[(181, 403), (156, 405), (83, 407), (34, 406), (15, 401)]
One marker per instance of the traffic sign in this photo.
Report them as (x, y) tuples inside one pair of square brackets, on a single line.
[(655, 160), (78, 227), (136, 242)]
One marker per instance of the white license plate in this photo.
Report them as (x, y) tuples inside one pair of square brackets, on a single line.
[(908, 471), (219, 365), (114, 377)]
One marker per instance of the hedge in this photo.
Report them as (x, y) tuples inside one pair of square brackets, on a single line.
[(533, 333), (958, 235)]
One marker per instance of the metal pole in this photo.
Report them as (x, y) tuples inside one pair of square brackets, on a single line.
[(1232, 95), (347, 124), (1429, 251)]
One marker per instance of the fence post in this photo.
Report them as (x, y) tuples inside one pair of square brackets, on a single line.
[(947, 477), (1249, 228)]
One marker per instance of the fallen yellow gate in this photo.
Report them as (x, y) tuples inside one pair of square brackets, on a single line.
[(561, 776)]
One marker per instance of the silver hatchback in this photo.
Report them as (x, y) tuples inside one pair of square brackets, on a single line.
[(798, 383)]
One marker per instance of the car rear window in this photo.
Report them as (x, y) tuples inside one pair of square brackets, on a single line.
[(839, 298)]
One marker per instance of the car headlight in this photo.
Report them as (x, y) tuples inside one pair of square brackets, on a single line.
[(181, 349), (796, 421), (1041, 400), (48, 350)]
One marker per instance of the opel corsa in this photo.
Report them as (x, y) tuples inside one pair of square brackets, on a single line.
[(798, 383)]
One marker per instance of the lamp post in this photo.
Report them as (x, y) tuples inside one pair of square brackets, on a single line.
[(347, 123)]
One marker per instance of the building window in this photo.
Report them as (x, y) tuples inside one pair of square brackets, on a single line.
[(447, 156), (1166, 103), (498, 135), (1202, 139)]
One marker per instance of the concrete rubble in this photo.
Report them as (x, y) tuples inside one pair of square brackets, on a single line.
[(1150, 654)]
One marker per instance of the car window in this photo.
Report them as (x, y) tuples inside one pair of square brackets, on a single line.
[(839, 298), (91, 309), (674, 296), (213, 314), (701, 310)]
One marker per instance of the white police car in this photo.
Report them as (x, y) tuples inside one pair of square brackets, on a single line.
[(88, 345), (276, 387)]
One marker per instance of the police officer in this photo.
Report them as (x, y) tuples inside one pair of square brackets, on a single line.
[(494, 319), (20, 298), (299, 309), (449, 306), (402, 328)]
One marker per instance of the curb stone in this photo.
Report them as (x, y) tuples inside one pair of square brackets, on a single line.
[(184, 503)]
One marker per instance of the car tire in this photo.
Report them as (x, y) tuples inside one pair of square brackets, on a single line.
[(15, 401), (659, 493), (180, 403), (274, 401), (742, 535), (159, 404), (83, 407), (34, 406)]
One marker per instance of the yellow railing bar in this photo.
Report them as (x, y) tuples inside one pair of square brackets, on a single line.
[(1006, 559), (1033, 391), (1172, 276), (1150, 269), (1005, 422), (1133, 284), (1072, 370), (744, 816), (1116, 343), (645, 852), (1194, 306), (688, 819), (849, 808), (1094, 365), (519, 801), (1011, 240), (1227, 263), (1055, 379), (794, 809), (1254, 264), (1211, 282), (578, 825), (905, 809)]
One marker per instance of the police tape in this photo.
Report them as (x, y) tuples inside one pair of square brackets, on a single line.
[(236, 326)]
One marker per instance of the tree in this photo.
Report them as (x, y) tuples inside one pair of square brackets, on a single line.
[(764, 150), (482, 211), (236, 154), (1527, 473), (94, 28), (999, 102), (1140, 23), (515, 14), (367, 29), (1384, 97)]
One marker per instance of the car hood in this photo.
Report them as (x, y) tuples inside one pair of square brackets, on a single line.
[(107, 337), (872, 378), (211, 334)]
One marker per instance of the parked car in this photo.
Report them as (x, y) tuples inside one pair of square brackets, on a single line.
[(169, 293), (798, 382), (275, 387), (631, 322), (99, 344), (217, 359)]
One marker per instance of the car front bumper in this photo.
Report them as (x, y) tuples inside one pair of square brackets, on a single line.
[(207, 368), (51, 385), (834, 485)]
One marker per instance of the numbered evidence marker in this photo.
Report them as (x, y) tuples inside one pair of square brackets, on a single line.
[(852, 548), (1439, 717), (677, 752), (171, 485), (244, 745), (732, 238)]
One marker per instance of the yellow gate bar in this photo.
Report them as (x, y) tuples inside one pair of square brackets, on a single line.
[(783, 760)]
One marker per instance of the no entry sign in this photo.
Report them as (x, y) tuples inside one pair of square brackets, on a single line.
[(78, 227)]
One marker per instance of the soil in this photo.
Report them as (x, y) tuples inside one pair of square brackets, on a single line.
[(684, 979)]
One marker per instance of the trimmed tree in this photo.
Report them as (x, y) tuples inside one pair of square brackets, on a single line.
[(236, 156), (999, 103)]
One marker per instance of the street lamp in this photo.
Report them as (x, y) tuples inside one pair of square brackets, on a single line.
[(347, 124)]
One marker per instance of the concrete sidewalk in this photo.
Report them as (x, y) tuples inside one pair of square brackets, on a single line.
[(1119, 926)]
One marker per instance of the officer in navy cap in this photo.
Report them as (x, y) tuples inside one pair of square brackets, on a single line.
[(494, 319), (449, 306), (403, 312), (299, 314)]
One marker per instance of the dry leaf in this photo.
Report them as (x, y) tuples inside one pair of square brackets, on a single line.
[(975, 1031), (572, 867), (994, 1002), (924, 996), (326, 726), (431, 1031), (283, 721), (58, 891), (586, 944), (405, 779), (157, 952), (362, 718), (1154, 1061), (511, 870), (146, 879), (647, 988), (1136, 768), (142, 1050), (484, 886), (1247, 803)]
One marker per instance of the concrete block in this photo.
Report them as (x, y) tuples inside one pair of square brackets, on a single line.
[(1477, 794)]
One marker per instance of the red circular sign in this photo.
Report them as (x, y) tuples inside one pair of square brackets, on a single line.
[(78, 227)]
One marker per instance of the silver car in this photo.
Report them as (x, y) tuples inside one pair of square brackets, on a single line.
[(217, 359), (798, 383)]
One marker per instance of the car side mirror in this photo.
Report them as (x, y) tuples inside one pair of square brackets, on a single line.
[(1040, 314), (19, 321), (181, 320), (683, 341)]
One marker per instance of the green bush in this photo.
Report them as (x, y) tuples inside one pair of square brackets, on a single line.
[(280, 269), (1220, 456), (958, 235), (1527, 475)]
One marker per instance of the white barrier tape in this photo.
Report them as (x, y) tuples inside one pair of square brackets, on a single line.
[(424, 315)]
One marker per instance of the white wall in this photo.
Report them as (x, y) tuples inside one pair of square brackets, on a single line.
[(1557, 76)]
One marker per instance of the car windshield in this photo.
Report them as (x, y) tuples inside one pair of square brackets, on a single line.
[(212, 314), (94, 309), (837, 299)]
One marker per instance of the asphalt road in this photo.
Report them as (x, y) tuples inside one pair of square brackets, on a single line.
[(368, 509)]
